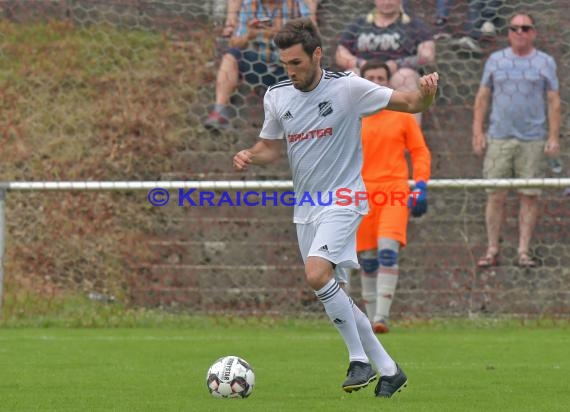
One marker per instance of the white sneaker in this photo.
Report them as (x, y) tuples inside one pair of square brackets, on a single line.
[(442, 36), (488, 29), (467, 42)]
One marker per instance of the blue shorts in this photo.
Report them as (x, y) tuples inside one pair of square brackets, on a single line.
[(256, 71)]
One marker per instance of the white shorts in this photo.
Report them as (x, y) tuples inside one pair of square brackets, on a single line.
[(332, 236)]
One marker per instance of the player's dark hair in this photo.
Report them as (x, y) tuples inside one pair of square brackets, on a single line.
[(375, 64), (299, 31)]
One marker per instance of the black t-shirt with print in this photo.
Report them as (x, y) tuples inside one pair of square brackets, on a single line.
[(368, 41)]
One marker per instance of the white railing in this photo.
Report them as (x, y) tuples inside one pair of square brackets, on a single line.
[(269, 184)]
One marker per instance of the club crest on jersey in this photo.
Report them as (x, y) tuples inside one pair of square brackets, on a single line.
[(325, 108)]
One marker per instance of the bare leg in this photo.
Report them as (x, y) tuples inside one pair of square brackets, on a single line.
[(494, 218), (227, 80), (527, 221)]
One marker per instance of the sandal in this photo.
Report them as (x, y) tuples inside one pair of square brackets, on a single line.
[(488, 260), (525, 261)]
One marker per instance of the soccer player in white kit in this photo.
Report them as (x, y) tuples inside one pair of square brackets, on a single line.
[(317, 113)]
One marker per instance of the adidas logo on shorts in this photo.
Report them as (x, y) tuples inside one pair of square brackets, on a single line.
[(324, 248)]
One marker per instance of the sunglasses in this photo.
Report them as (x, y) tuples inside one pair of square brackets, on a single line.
[(524, 28)]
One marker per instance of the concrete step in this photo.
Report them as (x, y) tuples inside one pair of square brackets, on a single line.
[(514, 302), (281, 289), (214, 276), (202, 163), (220, 288), (238, 253), (223, 228)]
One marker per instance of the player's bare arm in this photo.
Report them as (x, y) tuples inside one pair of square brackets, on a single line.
[(263, 152), (415, 101), (479, 111)]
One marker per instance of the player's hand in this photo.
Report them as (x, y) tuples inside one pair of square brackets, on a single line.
[(428, 84), (417, 201), (242, 160)]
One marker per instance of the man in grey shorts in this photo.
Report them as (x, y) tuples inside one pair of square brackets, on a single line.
[(523, 86)]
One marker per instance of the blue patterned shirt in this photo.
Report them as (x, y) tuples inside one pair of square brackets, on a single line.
[(255, 9), (519, 85)]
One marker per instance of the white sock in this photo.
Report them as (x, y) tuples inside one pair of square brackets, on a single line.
[(369, 292), (386, 288), (339, 309), (372, 346)]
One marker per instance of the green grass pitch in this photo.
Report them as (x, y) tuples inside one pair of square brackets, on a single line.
[(299, 366)]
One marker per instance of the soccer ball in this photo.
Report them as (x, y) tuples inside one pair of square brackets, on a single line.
[(230, 377)]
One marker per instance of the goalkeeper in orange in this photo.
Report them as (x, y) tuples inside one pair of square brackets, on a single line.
[(386, 136)]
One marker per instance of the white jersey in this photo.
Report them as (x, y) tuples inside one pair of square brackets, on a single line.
[(322, 129)]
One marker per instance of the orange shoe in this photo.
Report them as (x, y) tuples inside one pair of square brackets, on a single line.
[(380, 326)]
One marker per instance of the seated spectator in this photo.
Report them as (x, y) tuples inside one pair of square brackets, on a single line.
[(252, 55), (233, 8), (441, 12), (483, 20), (389, 34), (232, 16)]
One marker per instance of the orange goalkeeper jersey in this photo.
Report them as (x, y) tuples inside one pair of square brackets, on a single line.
[(385, 138)]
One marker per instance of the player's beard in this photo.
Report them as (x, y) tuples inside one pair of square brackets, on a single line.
[(307, 85)]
